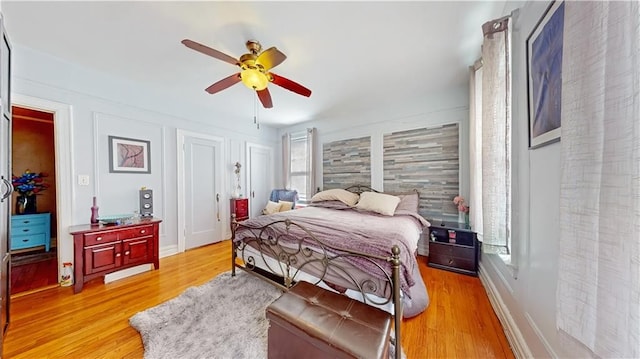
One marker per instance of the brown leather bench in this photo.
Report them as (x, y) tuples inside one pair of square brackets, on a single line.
[(311, 322)]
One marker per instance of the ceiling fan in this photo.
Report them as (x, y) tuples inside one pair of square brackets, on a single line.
[(254, 70)]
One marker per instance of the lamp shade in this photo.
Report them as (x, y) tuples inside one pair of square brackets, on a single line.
[(254, 79)]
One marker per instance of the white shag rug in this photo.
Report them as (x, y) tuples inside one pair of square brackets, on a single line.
[(224, 318)]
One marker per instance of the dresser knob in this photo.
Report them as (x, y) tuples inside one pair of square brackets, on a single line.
[(26, 230), (25, 222), (126, 253), (25, 240), (450, 261), (117, 254), (99, 239), (143, 231)]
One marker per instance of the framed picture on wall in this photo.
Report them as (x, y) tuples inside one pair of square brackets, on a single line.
[(544, 76), (128, 155)]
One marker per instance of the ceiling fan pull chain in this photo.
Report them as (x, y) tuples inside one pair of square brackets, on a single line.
[(255, 111)]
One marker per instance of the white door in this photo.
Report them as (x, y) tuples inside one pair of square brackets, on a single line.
[(202, 185), (260, 159)]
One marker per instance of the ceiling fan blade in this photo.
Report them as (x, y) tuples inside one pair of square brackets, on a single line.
[(224, 83), (265, 98), (270, 58), (209, 51), (290, 85)]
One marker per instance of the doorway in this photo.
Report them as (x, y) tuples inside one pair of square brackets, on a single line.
[(33, 249)]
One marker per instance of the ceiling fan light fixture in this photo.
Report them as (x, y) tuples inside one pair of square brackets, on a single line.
[(254, 79)]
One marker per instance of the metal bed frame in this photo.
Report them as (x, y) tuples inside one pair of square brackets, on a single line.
[(293, 253)]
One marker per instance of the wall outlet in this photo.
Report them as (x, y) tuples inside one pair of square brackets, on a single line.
[(83, 180)]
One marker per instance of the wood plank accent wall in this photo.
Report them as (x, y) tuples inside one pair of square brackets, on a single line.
[(346, 162), (425, 159)]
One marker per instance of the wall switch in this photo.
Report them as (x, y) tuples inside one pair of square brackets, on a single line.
[(83, 180)]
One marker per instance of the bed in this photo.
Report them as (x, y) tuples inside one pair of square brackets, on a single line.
[(356, 241)]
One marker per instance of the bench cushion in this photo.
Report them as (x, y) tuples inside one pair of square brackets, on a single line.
[(312, 322)]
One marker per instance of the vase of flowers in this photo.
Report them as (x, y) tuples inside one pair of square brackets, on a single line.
[(27, 186), (463, 209)]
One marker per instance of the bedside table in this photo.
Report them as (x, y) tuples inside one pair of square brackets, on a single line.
[(239, 209), (454, 247)]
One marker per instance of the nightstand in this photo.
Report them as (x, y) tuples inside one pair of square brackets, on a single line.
[(239, 209), (454, 247)]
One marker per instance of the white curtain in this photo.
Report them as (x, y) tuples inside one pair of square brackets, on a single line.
[(286, 161), (311, 165), (496, 135), (598, 300), (475, 148)]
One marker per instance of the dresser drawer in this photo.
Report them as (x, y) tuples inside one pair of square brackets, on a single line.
[(141, 231), (30, 221), (23, 230), (452, 251), (452, 261), (27, 241), (242, 204), (93, 239)]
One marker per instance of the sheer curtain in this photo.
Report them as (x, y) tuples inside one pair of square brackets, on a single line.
[(311, 163), (496, 135), (598, 300), (286, 161), (475, 147)]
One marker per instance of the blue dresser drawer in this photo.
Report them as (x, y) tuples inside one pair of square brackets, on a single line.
[(30, 222), (28, 241), (31, 230)]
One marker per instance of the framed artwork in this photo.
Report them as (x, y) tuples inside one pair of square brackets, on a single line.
[(128, 155), (544, 76)]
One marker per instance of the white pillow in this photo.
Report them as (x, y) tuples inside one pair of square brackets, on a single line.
[(378, 202), (337, 194), (285, 206), (271, 208)]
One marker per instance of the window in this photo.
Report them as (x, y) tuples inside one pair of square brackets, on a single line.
[(298, 151), (299, 174)]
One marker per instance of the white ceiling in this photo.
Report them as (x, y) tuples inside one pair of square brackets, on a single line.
[(352, 55)]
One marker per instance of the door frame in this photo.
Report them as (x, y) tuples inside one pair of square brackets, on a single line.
[(63, 143), (180, 137)]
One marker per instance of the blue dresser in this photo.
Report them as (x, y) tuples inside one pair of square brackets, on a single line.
[(31, 230)]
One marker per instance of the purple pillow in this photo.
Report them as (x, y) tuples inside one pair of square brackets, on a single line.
[(330, 204), (408, 202)]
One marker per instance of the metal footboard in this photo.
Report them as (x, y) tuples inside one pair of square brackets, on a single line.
[(296, 254)]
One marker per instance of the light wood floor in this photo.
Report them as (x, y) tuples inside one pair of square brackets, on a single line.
[(55, 323)]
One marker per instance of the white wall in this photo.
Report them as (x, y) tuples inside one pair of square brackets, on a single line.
[(528, 290), (103, 105), (446, 106)]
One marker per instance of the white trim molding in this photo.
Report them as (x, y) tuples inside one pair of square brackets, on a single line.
[(63, 142), (514, 336)]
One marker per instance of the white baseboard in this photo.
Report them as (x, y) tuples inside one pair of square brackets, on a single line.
[(164, 252), (514, 336), (168, 251), (108, 278)]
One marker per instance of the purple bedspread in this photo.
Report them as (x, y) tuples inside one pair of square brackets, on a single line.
[(360, 231)]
